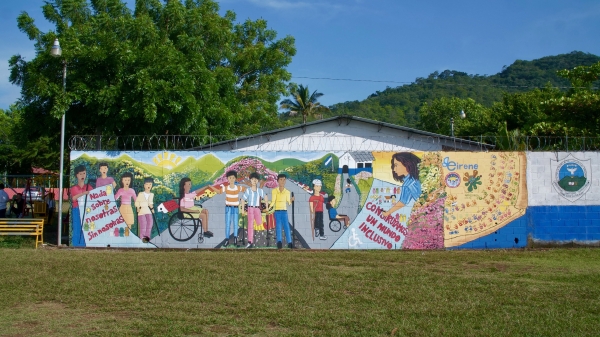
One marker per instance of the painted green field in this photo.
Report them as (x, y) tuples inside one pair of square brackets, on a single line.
[(65, 292)]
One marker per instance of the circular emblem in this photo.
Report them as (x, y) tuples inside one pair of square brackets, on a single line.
[(452, 180), (571, 176)]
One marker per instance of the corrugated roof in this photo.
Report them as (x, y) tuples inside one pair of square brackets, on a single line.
[(347, 118), (362, 156)]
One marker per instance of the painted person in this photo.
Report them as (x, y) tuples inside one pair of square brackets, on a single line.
[(145, 206), (315, 202), (186, 204), (405, 169), (281, 199), (126, 193), (348, 185), (333, 214), (253, 196), (232, 204), (104, 180), (78, 190)]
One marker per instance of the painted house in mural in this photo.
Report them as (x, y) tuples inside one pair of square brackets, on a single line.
[(356, 162)]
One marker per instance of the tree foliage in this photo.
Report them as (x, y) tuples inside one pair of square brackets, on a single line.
[(303, 103), (168, 67), (401, 105)]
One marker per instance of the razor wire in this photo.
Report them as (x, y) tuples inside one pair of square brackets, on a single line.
[(331, 142)]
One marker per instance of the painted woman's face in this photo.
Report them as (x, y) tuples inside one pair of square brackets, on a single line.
[(103, 170), (332, 203), (147, 187), (187, 186), (126, 182), (400, 169), (81, 176)]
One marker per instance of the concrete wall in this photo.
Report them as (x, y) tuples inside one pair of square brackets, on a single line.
[(567, 212), (455, 200)]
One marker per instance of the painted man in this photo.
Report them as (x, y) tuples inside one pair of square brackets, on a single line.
[(281, 199), (316, 202)]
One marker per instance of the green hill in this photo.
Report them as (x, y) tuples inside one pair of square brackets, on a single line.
[(400, 105)]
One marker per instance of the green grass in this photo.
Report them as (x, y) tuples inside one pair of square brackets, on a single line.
[(64, 292)]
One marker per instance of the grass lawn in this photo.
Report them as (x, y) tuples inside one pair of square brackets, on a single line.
[(66, 292)]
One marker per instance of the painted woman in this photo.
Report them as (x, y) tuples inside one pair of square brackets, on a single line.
[(126, 193), (405, 169), (145, 206)]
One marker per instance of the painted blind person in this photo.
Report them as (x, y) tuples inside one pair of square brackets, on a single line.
[(186, 204), (232, 204), (348, 185), (281, 199), (253, 196), (405, 169), (333, 214), (145, 205), (104, 180), (78, 190), (126, 193), (3, 201), (315, 203)]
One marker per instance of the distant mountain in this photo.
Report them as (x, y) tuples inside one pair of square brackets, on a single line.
[(400, 105)]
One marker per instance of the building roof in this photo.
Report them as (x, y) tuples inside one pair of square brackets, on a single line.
[(347, 119), (362, 156)]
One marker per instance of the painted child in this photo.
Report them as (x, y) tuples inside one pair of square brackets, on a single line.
[(145, 206), (253, 196), (232, 203), (104, 180), (333, 214), (76, 191), (126, 193), (316, 202), (186, 204)]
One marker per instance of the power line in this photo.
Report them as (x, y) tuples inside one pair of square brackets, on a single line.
[(447, 84)]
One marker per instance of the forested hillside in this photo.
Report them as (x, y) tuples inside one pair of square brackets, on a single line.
[(400, 105)]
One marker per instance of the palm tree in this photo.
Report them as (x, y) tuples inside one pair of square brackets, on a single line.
[(304, 103)]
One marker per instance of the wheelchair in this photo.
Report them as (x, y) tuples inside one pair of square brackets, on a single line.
[(335, 225), (183, 226)]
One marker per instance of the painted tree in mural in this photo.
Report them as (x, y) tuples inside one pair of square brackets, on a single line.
[(246, 166), (304, 103), (166, 68)]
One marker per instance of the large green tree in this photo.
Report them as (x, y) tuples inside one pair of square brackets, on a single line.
[(303, 103), (437, 116), (169, 67)]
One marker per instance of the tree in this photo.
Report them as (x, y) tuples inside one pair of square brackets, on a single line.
[(436, 117), (169, 67), (303, 103)]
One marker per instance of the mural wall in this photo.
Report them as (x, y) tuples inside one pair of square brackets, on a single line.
[(312, 200)]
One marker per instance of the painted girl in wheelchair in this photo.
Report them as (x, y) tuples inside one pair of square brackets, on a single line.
[(186, 204)]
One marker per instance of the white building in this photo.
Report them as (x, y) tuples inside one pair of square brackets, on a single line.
[(346, 134)]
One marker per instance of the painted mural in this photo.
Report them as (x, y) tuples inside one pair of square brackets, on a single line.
[(279, 200)]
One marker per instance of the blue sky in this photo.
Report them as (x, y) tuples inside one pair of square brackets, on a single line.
[(383, 40)]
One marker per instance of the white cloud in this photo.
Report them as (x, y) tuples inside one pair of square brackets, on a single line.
[(281, 4)]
